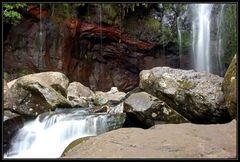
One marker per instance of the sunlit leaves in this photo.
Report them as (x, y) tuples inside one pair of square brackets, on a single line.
[(11, 12)]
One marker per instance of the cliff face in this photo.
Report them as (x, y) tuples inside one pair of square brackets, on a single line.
[(99, 56)]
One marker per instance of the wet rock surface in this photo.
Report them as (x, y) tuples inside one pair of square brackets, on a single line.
[(162, 141), (12, 122), (113, 60)]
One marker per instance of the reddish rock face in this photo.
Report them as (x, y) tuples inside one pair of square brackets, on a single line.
[(98, 57)]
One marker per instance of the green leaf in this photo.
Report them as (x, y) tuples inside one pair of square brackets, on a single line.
[(11, 12)]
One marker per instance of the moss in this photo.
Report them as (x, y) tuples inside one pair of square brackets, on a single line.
[(66, 11), (185, 84), (229, 88), (5, 75), (74, 143), (143, 27), (229, 33), (23, 72), (110, 14), (186, 39), (152, 24)]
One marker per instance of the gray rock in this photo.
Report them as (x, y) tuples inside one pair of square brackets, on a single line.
[(111, 97), (58, 81), (197, 96), (12, 122), (100, 109), (79, 95), (147, 107)]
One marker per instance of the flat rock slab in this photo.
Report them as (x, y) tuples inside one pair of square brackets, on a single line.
[(162, 141)]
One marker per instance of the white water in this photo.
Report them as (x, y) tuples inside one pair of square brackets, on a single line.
[(179, 35), (49, 134), (201, 36), (100, 25)]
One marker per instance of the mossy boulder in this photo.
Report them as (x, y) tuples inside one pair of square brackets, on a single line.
[(230, 89), (197, 96)]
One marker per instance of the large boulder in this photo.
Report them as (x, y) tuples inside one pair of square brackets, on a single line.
[(37, 93), (197, 96), (230, 89), (56, 80), (147, 108), (78, 94)]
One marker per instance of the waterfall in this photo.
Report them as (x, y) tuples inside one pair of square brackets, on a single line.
[(207, 37), (164, 19), (50, 133), (201, 36), (40, 35), (179, 36), (100, 25)]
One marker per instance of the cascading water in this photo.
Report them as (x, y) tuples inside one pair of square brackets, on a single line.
[(179, 36), (201, 36), (50, 133), (40, 34), (100, 25), (206, 42)]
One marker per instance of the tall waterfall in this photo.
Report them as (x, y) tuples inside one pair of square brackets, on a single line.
[(179, 36), (207, 40), (201, 36), (50, 133)]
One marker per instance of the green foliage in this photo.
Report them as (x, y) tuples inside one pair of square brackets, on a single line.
[(65, 10), (5, 75), (110, 13), (11, 12), (127, 7), (23, 72), (145, 28), (153, 24), (186, 39), (168, 36), (229, 32)]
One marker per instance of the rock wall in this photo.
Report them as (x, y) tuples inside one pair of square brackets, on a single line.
[(98, 56)]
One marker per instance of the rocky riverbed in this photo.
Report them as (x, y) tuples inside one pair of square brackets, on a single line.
[(185, 140)]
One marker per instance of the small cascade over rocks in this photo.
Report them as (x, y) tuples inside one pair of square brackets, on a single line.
[(50, 133)]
